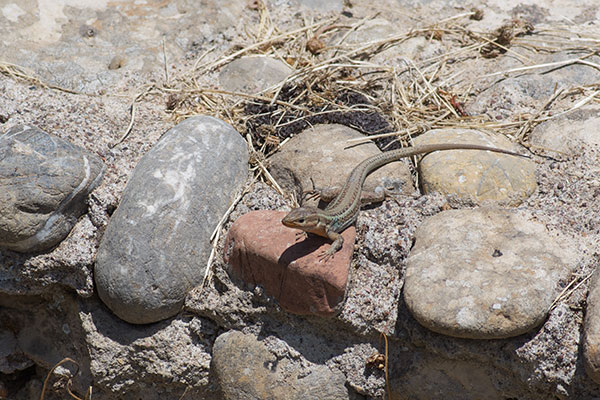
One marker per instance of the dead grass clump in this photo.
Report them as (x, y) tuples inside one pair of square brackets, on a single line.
[(337, 81)]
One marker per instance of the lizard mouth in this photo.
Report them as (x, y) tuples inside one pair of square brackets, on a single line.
[(290, 224)]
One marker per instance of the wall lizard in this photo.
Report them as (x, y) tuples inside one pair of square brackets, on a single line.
[(343, 210)]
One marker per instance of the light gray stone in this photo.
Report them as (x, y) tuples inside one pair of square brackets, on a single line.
[(484, 273), (245, 369), (474, 176), (156, 245), (322, 155), (569, 132), (44, 182), (253, 74)]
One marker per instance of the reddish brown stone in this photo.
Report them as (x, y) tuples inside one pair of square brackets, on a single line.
[(261, 251)]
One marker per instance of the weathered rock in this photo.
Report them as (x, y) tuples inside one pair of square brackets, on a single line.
[(70, 264), (245, 369), (591, 331), (261, 251), (483, 273), (475, 176), (131, 362), (569, 132), (11, 357), (156, 245), (253, 74), (44, 182), (323, 155)]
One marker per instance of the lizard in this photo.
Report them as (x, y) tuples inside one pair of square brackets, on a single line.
[(343, 210)]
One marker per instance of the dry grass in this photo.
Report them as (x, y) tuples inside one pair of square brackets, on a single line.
[(338, 82)]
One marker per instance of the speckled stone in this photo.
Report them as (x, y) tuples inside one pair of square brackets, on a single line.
[(44, 183), (484, 273), (475, 176), (570, 132), (244, 368), (156, 245)]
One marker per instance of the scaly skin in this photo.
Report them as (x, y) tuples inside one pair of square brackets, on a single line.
[(342, 211)]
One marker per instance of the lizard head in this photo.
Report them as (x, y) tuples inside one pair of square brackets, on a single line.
[(307, 219)]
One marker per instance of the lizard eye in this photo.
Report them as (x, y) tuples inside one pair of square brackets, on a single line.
[(301, 220)]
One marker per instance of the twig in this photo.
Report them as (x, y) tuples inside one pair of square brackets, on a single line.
[(132, 117), (246, 49), (552, 64), (61, 362), (564, 295), (525, 128), (214, 238)]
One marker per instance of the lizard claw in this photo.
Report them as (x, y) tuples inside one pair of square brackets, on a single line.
[(310, 194), (301, 235), (326, 256)]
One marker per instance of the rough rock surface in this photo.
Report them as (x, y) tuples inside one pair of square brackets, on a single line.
[(591, 332), (245, 369), (568, 133), (322, 155), (44, 183), (156, 246), (261, 251), (111, 40), (253, 74), (473, 176), (500, 100), (484, 273)]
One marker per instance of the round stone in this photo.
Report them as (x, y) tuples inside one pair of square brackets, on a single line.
[(474, 176), (483, 274), (44, 183)]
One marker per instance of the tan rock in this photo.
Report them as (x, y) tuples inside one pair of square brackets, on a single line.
[(244, 368), (483, 273), (323, 154), (261, 251), (475, 176)]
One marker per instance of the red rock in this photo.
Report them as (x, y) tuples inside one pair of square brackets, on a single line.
[(261, 251)]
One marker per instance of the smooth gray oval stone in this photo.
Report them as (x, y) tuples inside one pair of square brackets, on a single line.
[(44, 182), (156, 245)]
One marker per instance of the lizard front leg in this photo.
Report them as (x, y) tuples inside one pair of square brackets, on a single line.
[(337, 244)]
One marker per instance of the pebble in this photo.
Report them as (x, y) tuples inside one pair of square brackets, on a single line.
[(483, 274), (525, 92), (44, 184), (156, 245)]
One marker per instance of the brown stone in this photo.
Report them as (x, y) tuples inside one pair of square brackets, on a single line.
[(261, 251)]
